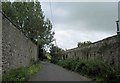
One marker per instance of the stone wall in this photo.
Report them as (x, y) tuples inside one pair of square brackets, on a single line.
[(107, 50), (0, 45), (17, 49)]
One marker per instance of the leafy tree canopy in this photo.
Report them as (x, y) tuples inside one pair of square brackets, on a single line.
[(56, 52), (29, 18), (86, 43)]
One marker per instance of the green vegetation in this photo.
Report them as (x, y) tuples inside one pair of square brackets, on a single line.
[(98, 70), (48, 56), (56, 53), (0, 74), (86, 43), (21, 75), (28, 17)]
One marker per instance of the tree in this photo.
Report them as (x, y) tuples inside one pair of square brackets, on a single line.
[(86, 43), (29, 18), (56, 52)]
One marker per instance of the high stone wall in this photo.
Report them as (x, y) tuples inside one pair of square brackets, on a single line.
[(17, 49), (107, 50), (0, 45)]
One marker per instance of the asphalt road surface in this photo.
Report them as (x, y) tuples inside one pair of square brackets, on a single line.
[(52, 72)]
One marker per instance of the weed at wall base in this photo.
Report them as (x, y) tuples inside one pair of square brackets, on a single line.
[(20, 75), (95, 69)]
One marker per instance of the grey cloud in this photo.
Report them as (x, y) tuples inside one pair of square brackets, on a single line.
[(80, 21), (96, 16)]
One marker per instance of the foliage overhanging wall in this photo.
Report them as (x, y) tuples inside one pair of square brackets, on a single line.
[(17, 49), (107, 50)]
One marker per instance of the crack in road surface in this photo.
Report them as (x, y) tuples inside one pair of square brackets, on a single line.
[(52, 72)]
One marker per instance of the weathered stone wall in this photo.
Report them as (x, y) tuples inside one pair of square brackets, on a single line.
[(0, 45), (17, 49), (107, 50)]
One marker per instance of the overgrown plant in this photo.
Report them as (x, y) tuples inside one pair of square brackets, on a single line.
[(21, 75), (92, 68)]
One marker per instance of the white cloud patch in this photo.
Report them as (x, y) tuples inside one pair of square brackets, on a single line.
[(60, 12), (69, 38), (78, 22)]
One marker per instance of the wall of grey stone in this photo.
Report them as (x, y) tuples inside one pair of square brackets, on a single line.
[(107, 50), (17, 49), (0, 45)]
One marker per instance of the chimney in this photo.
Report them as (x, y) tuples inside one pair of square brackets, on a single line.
[(118, 30)]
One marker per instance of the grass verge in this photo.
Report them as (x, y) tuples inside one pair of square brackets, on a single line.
[(21, 75)]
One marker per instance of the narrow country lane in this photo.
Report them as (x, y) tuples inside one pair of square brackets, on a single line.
[(52, 72)]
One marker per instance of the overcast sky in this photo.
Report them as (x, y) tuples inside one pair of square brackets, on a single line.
[(75, 22)]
